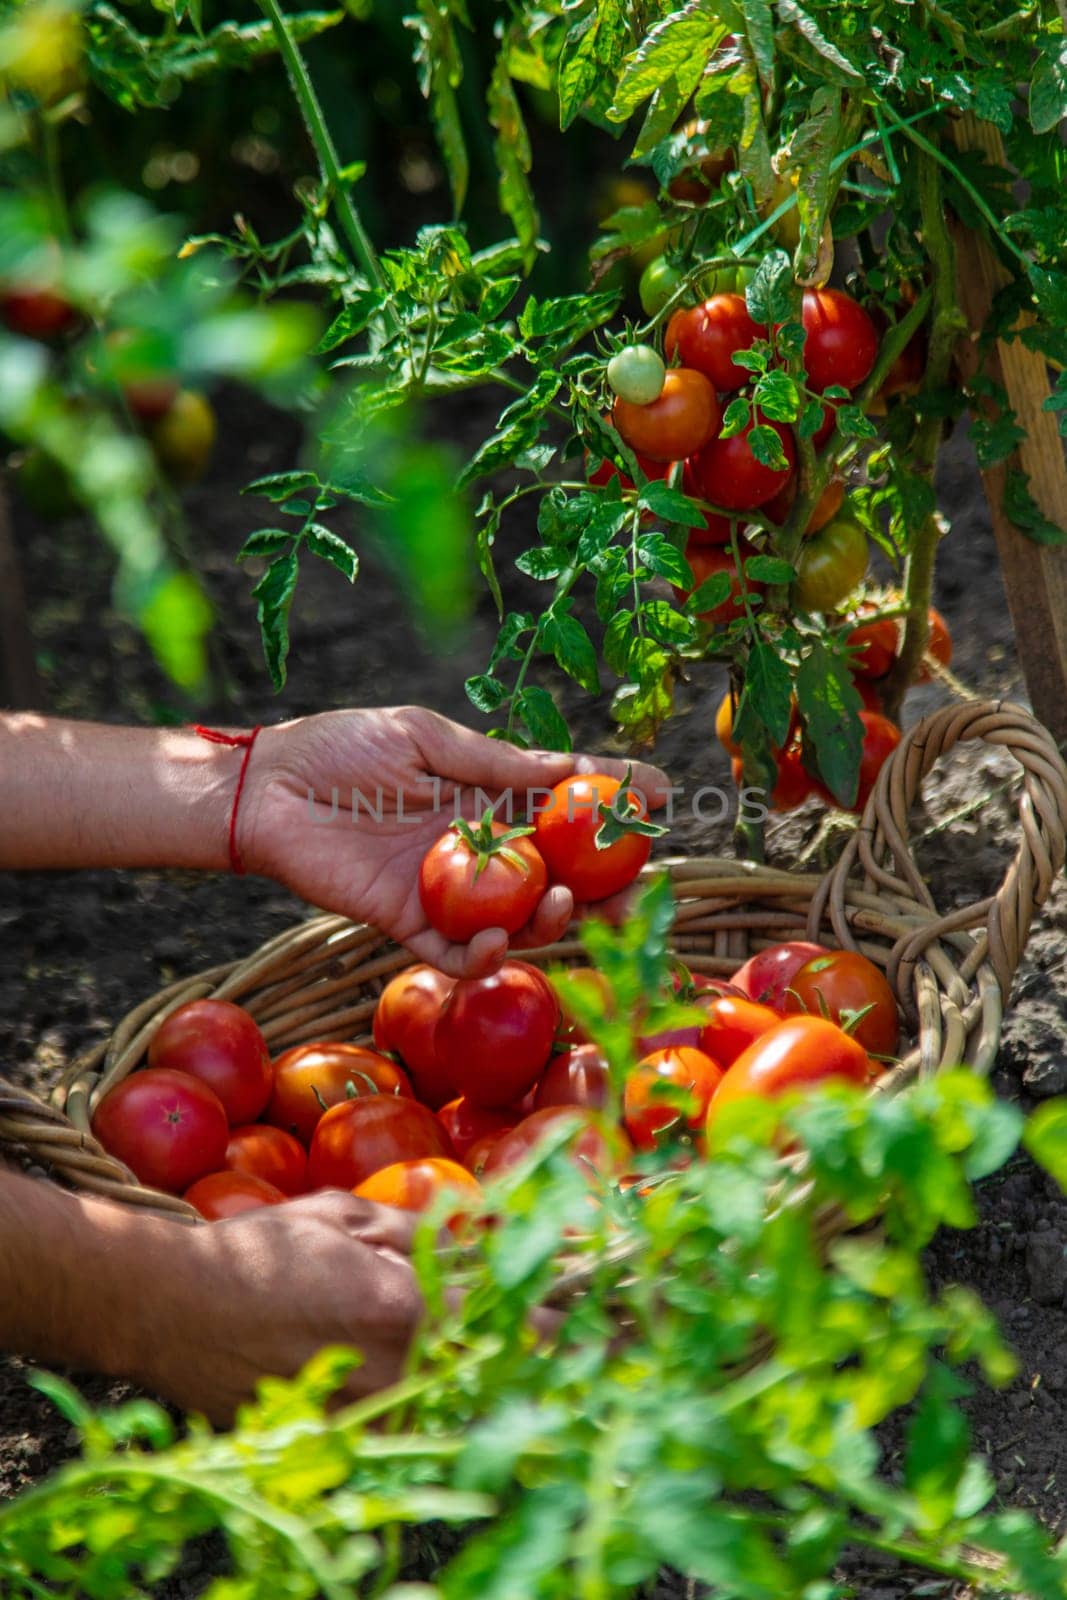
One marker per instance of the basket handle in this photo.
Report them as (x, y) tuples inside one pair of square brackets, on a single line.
[(881, 848)]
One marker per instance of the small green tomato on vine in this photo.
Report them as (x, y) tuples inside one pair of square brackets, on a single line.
[(636, 374)]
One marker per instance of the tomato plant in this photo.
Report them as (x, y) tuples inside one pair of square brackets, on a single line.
[(486, 877), (310, 1078), (220, 1044), (495, 1034), (167, 1126)]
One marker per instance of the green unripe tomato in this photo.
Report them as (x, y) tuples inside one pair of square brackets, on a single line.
[(830, 565), (719, 280), (659, 282), (636, 374)]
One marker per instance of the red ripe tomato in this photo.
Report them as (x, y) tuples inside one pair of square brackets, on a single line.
[(479, 1152), (576, 1077), (220, 1044), (495, 1034), (36, 313), (362, 1136), (880, 739), (798, 1052), (705, 561), (597, 989), (268, 1153), (868, 693), (168, 1127), (466, 1123), (668, 1093), (793, 783), (604, 471), (842, 343), (706, 337), (405, 1022), (228, 1194), (938, 646), (486, 877), (732, 477), (684, 418), (767, 975), (567, 832), (827, 425), (716, 529), (415, 1185), (310, 1078), (840, 985), (702, 984), (876, 644), (733, 1024), (597, 1147), (825, 509)]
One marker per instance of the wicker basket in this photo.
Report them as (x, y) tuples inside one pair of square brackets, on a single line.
[(321, 979)]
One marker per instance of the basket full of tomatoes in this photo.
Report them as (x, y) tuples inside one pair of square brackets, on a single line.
[(331, 1059)]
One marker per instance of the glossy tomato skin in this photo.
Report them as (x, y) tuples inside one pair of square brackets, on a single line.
[(830, 565), (636, 373), (706, 337), (842, 341), (880, 739), (598, 1148), (766, 976), (220, 1044), (876, 647), (800, 1051), (680, 422), (669, 1093), (659, 282), (705, 561), (566, 837), (462, 893), (466, 1123), (714, 530), (731, 476), (405, 1022), (168, 1127), (495, 1034), (479, 1152), (362, 1136), (260, 1151), (310, 1078), (228, 1194), (733, 1024), (842, 983), (415, 1185), (576, 1077)]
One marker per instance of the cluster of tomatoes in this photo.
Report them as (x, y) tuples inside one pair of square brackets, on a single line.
[(467, 1077)]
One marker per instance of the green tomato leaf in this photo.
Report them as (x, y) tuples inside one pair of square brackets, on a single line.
[(770, 295), (713, 592), (273, 595), (670, 505), (329, 546), (663, 558), (485, 692), (1048, 86), (538, 711), (540, 563), (767, 696), (766, 446), (829, 705), (573, 649), (1026, 514), (769, 569), (777, 396), (265, 542)]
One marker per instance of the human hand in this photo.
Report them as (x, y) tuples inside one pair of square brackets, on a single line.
[(417, 771)]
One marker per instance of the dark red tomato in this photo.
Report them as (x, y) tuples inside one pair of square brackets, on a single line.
[(827, 425), (876, 644), (684, 418), (938, 646), (489, 876), (567, 831), (702, 984), (415, 1185), (466, 1123), (220, 1044), (168, 1127), (733, 1024), (228, 1194), (310, 1078), (706, 338), (825, 510), (767, 975), (495, 1034), (36, 313), (479, 1152), (594, 987), (840, 985), (669, 1093), (732, 477), (800, 1051), (604, 471), (577, 1077), (362, 1136), (880, 739), (714, 529), (842, 343), (793, 783), (405, 1022), (705, 561), (597, 1147), (269, 1153)]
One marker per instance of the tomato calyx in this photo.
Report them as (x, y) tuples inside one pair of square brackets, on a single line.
[(621, 816), (483, 844), (848, 1020)]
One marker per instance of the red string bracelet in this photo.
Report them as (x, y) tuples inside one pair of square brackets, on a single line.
[(242, 741)]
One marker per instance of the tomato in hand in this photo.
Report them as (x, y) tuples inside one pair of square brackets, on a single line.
[(668, 1093), (679, 423), (466, 1123), (490, 876), (733, 1024), (596, 1146), (766, 976), (731, 476), (842, 342), (415, 1185), (706, 338), (829, 566), (310, 1078), (636, 374), (405, 1022), (800, 1051), (229, 1194), (880, 739), (840, 985), (168, 1127), (576, 1077), (220, 1044), (362, 1136), (261, 1151), (495, 1034), (569, 836)]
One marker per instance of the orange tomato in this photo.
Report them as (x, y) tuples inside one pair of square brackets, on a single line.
[(228, 1194), (669, 1091), (798, 1052), (415, 1185)]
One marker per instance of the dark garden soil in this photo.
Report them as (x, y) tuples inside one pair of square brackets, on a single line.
[(78, 950)]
